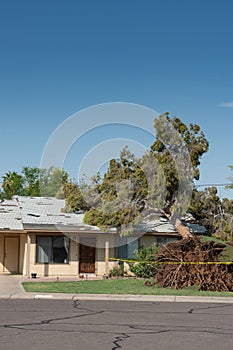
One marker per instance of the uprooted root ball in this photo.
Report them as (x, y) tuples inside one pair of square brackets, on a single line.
[(179, 266)]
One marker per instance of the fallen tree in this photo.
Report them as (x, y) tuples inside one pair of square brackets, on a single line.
[(190, 262)]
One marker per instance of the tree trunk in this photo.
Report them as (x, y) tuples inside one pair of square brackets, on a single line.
[(182, 229), (175, 220), (179, 226)]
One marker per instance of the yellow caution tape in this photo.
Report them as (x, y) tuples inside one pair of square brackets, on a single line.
[(173, 262)]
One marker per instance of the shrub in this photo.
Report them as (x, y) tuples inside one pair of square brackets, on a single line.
[(117, 272), (145, 267)]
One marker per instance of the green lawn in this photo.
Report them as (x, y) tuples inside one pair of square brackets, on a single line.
[(112, 286)]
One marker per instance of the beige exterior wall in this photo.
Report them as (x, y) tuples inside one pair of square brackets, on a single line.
[(147, 241), (22, 253), (71, 268), (150, 239), (102, 266), (1, 251)]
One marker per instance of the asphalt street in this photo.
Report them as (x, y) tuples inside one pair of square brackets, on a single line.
[(110, 325)]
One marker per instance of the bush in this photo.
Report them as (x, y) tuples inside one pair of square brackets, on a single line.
[(116, 272), (145, 267)]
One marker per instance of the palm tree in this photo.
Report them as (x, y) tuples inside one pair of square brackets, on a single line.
[(12, 184)]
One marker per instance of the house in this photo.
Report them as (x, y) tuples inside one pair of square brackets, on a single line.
[(37, 236)]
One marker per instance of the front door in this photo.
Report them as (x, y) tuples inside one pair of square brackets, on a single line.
[(87, 250), (11, 254)]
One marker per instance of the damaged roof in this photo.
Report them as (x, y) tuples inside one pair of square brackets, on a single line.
[(33, 212), (29, 212), (155, 225), (10, 215)]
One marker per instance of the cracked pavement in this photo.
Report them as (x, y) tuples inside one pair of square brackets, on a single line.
[(111, 325)]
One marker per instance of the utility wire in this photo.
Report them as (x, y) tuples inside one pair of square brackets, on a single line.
[(212, 185)]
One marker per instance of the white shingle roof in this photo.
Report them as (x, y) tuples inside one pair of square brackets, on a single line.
[(10, 215), (49, 211), (23, 212), (155, 225)]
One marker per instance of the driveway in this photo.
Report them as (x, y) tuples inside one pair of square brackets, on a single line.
[(11, 285)]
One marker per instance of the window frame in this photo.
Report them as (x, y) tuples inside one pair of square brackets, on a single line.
[(124, 248), (53, 237)]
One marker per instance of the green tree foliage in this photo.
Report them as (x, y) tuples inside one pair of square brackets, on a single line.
[(131, 187), (205, 206), (178, 146), (115, 200), (12, 184), (31, 176), (74, 197), (213, 212), (52, 181), (34, 182), (224, 226)]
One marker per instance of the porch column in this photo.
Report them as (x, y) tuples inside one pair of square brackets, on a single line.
[(28, 255), (106, 257)]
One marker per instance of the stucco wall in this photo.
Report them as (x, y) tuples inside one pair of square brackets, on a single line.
[(68, 269), (22, 254), (72, 268), (1, 251), (147, 241)]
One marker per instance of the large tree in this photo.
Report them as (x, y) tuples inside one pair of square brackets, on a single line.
[(12, 184), (213, 212), (178, 149), (230, 178), (31, 186), (52, 181), (161, 180), (34, 181)]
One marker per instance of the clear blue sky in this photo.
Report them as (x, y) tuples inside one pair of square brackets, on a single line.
[(58, 57)]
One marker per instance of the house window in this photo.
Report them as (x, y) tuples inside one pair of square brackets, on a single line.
[(161, 241), (52, 249), (127, 247)]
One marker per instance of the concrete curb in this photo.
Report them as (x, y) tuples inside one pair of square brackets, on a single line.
[(119, 297), (12, 289)]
